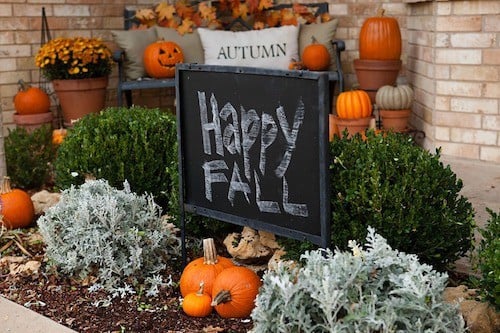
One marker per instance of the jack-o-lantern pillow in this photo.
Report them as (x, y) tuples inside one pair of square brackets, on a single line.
[(160, 59)]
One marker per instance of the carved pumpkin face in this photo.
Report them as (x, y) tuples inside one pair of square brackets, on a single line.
[(160, 59)]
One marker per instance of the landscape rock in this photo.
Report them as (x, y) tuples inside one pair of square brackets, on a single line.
[(43, 200), (480, 317), (251, 246)]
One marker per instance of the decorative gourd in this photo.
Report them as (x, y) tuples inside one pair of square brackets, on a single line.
[(204, 269), (160, 59), (354, 104), (30, 100), (315, 56), (380, 38), (58, 135), (394, 98), (234, 292), (197, 304), (17, 209)]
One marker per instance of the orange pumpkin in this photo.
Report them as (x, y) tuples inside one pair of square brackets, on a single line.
[(204, 269), (17, 209), (160, 59), (234, 292), (380, 38), (354, 104), (315, 56), (197, 304), (30, 100)]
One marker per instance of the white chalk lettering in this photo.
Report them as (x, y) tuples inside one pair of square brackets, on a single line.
[(206, 126), (250, 127), (291, 208), (238, 185), (231, 138), (210, 177), (269, 133), (264, 206)]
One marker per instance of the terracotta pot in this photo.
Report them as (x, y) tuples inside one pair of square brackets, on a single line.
[(355, 125), (333, 129), (395, 120), (80, 97), (30, 122), (373, 74)]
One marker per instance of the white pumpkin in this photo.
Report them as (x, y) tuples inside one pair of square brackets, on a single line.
[(394, 97)]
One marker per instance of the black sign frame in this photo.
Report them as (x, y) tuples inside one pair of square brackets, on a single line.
[(191, 77)]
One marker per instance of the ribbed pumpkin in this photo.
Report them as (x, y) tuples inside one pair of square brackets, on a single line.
[(197, 304), (30, 100), (315, 56), (394, 97), (380, 38), (160, 59), (204, 269), (354, 104), (234, 292), (16, 207)]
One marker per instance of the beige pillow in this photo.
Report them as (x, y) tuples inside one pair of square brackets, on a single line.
[(190, 43), (134, 42), (323, 32)]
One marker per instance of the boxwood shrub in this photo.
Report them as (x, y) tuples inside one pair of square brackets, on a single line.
[(136, 144), (404, 192)]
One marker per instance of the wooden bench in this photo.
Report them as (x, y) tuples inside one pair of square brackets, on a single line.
[(126, 86)]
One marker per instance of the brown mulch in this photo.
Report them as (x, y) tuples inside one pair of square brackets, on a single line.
[(70, 303)]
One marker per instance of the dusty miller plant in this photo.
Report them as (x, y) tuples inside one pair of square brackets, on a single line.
[(376, 289), (115, 235)]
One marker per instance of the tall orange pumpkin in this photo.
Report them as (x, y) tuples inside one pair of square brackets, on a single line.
[(160, 59), (354, 104), (204, 269), (380, 38), (30, 100), (17, 208)]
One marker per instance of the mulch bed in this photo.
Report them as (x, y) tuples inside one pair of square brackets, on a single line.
[(70, 303)]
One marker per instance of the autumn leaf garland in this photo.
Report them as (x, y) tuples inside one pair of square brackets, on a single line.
[(184, 17)]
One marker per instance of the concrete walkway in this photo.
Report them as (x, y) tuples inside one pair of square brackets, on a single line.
[(481, 186)]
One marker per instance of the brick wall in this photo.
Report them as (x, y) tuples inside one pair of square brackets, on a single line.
[(451, 56)]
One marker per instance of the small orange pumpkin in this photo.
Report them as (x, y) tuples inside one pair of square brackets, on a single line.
[(234, 292), (315, 56), (380, 38), (354, 104), (30, 100), (197, 304), (161, 57), (58, 135), (204, 269), (17, 209)]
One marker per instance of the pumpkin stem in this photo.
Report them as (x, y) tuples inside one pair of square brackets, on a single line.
[(209, 251), (6, 185), (222, 296), (23, 86), (380, 12), (202, 287), (314, 40)]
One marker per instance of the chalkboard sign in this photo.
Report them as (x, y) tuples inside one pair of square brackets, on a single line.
[(253, 148)]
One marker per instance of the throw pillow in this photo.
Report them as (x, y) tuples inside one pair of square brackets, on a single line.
[(323, 32), (134, 42), (190, 43), (266, 48)]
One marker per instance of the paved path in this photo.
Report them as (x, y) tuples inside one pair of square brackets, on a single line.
[(481, 187)]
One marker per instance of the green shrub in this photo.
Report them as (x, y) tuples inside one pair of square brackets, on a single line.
[(115, 235), (488, 256), (376, 289), (137, 144), (29, 157), (403, 191)]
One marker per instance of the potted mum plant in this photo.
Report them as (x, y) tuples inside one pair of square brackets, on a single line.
[(78, 68)]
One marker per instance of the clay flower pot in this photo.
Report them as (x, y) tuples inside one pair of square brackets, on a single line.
[(30, 122), (395, 120), (80, 97), (353, 126), (373, 74)]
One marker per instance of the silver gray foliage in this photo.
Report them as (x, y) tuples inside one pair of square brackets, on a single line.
[(115, 235), (375, 289)]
